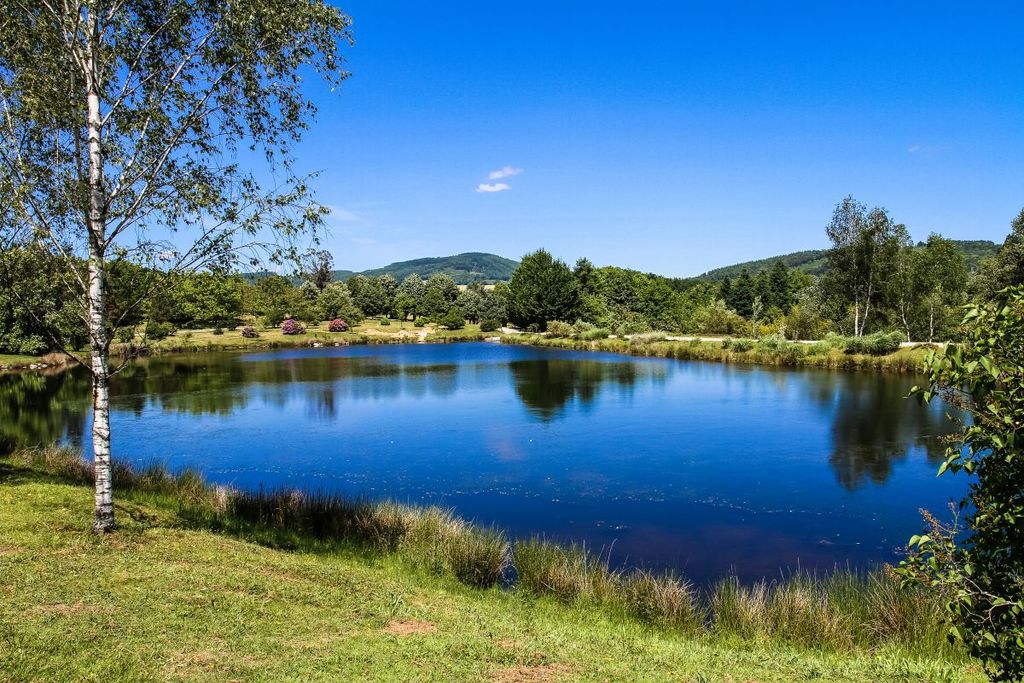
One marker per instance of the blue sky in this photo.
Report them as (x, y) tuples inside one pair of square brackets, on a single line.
[(671, 137)]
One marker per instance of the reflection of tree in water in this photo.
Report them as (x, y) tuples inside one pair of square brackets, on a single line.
[(38, 409), (546, 385), (875, 424), (416, 381)]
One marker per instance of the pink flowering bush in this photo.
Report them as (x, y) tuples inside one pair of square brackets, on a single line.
[(291, 326), (337, 325), (249, 332)]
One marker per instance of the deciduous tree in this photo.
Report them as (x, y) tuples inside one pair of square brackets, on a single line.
[(125, 124)]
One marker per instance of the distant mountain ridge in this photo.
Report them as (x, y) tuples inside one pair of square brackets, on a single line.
[(472, 266), (815, 261), (467, 268)]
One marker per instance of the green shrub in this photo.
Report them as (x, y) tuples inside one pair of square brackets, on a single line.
[(489, 325), (738, 345), (581, 327), (453, 319), (875, 344), (126, 335), (384, 322), (157, 331), (218, 330), (558, 328), (594, 334), (647, 338)]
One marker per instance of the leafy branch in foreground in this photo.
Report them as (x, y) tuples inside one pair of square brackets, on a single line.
[(979, 566)]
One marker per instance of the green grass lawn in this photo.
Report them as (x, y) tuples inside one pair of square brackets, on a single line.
[(16, 360), (158, 601)]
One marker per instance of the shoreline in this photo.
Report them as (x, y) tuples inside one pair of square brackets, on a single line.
[(203, 341), (289, 606), (844, 612), (794, 354)]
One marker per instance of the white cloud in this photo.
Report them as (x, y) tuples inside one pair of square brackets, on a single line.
[(342, 215), (493, 187), (504, 172)]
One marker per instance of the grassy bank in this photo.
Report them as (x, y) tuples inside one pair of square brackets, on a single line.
[(195, 341), (770, 353), (185, 341), (207, 583)]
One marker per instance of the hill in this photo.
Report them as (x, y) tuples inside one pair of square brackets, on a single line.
[(814, 261), (464, 268)]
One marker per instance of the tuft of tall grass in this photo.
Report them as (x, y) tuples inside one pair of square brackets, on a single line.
[(662, 600), (567, 572), (838, 611)]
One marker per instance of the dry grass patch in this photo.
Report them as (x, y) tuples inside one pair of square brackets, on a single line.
[(532, 673), (410, 627)]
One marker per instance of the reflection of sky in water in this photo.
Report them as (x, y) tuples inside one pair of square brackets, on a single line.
[(699, 466)]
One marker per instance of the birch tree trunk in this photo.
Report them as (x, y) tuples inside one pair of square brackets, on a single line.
[(100, 364), (931, 321), (99, 336)]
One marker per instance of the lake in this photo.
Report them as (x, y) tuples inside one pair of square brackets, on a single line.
[(703, 468)]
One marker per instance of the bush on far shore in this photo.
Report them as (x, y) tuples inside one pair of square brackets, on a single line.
[(156, 331), (453, 319), (559, 328), (875, 344), (290, 326)]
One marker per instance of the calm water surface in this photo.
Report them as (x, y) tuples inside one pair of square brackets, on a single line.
[(705, 468)]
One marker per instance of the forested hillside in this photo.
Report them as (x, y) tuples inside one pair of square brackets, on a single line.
[(815, 261), (463, 268)]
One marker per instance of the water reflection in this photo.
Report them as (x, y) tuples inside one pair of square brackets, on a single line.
[(546, 385), (42, 408), (872, 423), (875, 425)]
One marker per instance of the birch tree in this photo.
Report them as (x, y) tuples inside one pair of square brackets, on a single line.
[(145, 129), (865, 245)]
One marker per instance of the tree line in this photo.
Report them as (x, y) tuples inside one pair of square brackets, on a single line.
[(877, 280)]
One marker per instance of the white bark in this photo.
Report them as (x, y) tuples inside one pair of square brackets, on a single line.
[(98, 332)]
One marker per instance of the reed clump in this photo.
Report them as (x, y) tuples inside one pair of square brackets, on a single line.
[(841, 610), (570, 573)]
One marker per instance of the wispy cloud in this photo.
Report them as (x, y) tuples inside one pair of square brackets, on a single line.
[(493, 187), (927, 149), (341, 215), (504, 172)]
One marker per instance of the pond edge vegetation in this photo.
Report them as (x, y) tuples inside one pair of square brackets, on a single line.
[(841, 611), (829, 353)]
